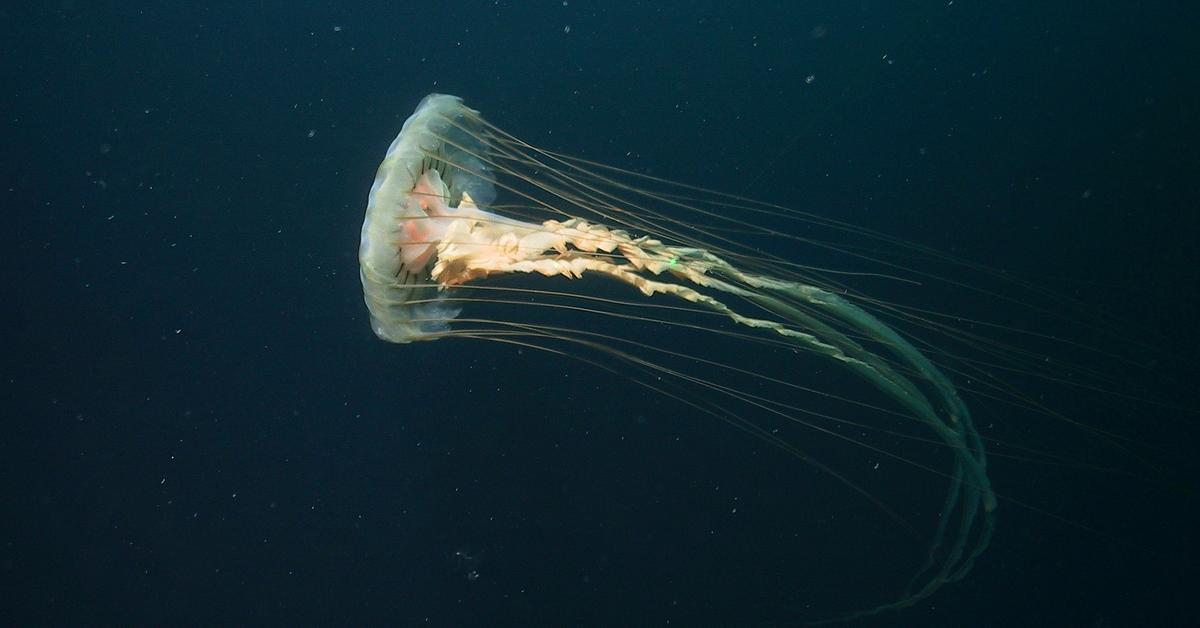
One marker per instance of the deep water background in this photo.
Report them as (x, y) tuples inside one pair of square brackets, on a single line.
[(200, 429)]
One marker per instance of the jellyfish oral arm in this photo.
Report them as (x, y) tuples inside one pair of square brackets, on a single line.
[(480, 244)]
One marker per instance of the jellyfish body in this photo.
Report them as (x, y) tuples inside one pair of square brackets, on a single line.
[(407, 211), (429, 238)]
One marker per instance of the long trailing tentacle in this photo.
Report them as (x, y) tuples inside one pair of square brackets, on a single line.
[(477, 246)]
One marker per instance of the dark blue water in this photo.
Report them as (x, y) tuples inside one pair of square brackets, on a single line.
[(200, 429)]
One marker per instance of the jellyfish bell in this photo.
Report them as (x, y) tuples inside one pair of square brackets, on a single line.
[(431, 175), (434, 242)]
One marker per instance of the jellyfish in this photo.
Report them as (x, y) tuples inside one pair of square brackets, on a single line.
[(436, 246)]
